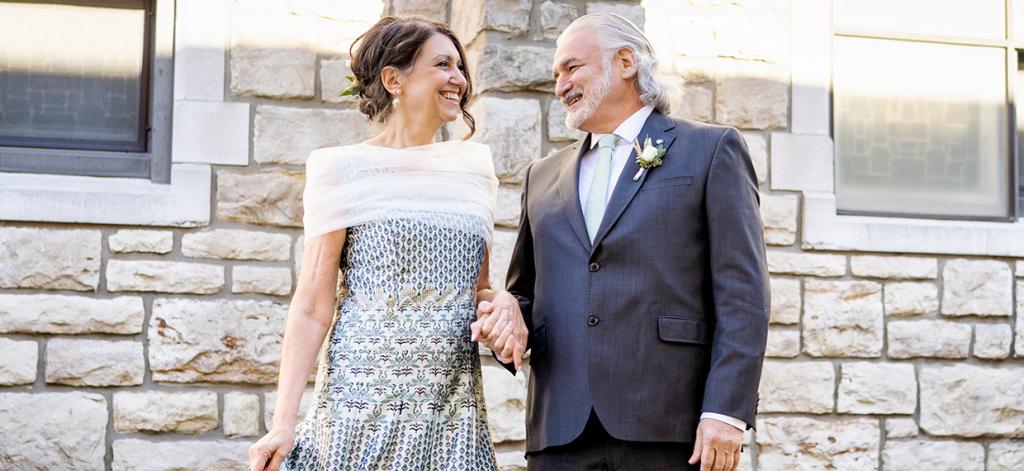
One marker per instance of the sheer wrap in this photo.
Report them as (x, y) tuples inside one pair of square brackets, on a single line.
[(441, 184)]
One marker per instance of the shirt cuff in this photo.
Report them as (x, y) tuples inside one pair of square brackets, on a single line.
[(725, 418)]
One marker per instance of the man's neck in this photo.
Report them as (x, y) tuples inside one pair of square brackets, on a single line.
[(607, 120)]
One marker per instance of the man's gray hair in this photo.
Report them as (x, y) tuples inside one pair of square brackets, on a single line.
[(615, 32)]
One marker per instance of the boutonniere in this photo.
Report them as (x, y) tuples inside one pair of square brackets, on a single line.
[(649, 156)]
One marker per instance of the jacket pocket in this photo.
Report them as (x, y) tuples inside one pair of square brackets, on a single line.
[(668, 182), (682, 330)]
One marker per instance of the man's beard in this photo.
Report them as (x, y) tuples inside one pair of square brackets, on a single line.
[(591, 99)]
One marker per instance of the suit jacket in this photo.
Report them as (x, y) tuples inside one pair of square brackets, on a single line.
[(665, 315)]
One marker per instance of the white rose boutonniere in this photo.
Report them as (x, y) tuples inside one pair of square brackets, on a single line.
[(649, 156)]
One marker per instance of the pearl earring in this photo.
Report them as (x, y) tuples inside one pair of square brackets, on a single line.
[(395, 103)]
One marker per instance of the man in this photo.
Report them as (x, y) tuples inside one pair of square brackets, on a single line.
[(642, 282)]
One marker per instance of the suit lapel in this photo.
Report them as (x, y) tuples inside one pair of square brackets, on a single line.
[(569, 190), (625, 188)]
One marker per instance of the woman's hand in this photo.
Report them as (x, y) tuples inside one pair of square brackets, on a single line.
[(500, 327), (270, 451)]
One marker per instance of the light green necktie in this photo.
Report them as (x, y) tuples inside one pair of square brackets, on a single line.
[(597, 199)]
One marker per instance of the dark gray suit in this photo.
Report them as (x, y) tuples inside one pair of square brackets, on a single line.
[(665, 315)]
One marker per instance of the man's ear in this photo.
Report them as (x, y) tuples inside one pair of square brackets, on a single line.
[(626, 59), (391, 77)]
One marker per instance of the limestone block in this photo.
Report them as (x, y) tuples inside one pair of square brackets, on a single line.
[(164, 277), (275, 281), (283, 72), (900, 427), (132, 454), (555, 17), (697, 103), (511, 126), (894, 267), (86, 362), (509, 207), (426, 8), (783, 343), (801, 163), (786, 301), (1020, 269), (911, 298), (134, 240), (18, 362), (842, 318), (506, 404), (235, 244), (757, 145), (797, 386), (300, 246), (50, 258), (805, 443), (877, 388), (929, 339), (62, 314), (511, 461), (49, 430), (216, 341), (211, 132), (943, 455), (1006, 456), (992, 341), (802, 263), (778, 214), (632, 12), (333, 81), (497, 66), (241, 414), (557, 130), (1019, 337), (266, 198), (270, 403), (470, 17), (970, 401), (286, 135), (752, 98), (977, 287), (167, 412), (501, 255)]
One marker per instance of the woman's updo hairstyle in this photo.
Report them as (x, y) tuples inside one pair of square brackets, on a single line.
[(396, 41)]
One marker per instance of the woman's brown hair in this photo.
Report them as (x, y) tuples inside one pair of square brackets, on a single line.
[(396, 41)]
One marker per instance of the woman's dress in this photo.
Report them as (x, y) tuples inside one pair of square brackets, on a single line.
[(398, 385)]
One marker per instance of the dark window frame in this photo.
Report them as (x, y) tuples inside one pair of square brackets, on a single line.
[(150, 158), (1014, 53)]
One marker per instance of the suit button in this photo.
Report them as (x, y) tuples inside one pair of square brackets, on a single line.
[(595, 266), (592, 320)]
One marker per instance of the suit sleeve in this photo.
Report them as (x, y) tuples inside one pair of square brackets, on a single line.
[(521, 276), (739, 281)]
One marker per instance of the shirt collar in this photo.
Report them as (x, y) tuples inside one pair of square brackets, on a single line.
[(629, 129)]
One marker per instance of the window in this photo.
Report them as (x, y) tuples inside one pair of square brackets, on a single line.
[(81, 90), (922, 115)]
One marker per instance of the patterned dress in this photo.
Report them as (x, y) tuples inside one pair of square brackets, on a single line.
[(398, 386)]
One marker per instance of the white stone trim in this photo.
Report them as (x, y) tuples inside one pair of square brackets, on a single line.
[(201, 37), (793, 168), (100, 200), (211, 133)]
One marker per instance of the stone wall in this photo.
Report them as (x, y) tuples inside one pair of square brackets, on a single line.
[(157, 347)]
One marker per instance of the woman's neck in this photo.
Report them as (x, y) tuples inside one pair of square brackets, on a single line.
[(402, 131)]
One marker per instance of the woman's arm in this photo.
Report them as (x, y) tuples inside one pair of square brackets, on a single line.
[(309, 318)]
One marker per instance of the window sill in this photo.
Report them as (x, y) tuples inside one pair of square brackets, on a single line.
[(96, 200), (823, 229)]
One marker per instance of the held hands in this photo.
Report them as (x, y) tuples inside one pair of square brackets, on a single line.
[(270, 451), (717, 446), (499, 326)]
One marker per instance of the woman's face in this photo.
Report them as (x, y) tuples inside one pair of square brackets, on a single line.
[(434, 86)]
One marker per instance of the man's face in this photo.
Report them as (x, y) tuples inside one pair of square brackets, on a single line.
[(583, 77)]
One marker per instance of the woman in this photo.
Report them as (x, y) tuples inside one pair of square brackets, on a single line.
[(409, 222)]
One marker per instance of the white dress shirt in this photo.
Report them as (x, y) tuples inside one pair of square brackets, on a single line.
[(628, 132)]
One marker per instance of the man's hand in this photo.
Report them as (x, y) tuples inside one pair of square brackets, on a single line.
[(717, 446), (500, 327)]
